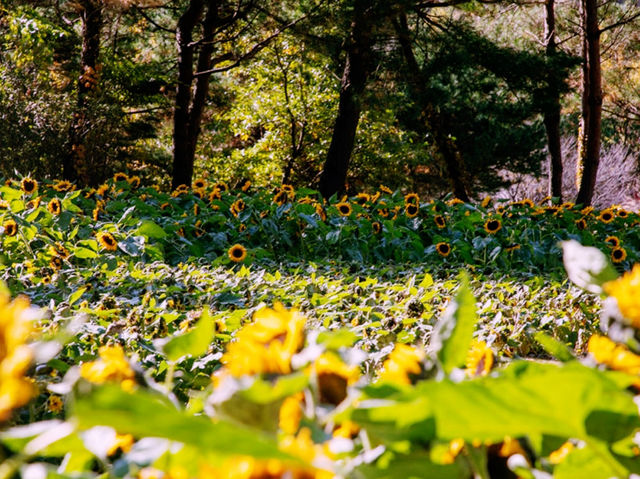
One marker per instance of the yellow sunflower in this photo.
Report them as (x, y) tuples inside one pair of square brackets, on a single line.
[(199, 184), (344, 208), (10, 228), (54, 206), (237, 253), (376, 226), (440, 221), (443, 249), (107, 240), (492, 226), (362, 198), (606, 216), (62, 186), (134, 181), (612, 241), (625, 290), (411, 210), (28, 185), (618, 254), (411, 198), (581, 224)]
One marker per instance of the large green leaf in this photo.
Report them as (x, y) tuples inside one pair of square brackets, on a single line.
[(194, 342), (151, 229), (144, 414), (454, 332), (569, 400)]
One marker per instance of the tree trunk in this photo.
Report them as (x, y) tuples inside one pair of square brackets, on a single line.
[(183, 145), (590, 121), (75, 167), (435, 123), (354, 79), (552, 107)]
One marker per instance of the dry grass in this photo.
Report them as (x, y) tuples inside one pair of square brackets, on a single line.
[(618, 179)]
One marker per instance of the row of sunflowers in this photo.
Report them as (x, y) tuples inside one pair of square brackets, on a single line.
[(55, 223)]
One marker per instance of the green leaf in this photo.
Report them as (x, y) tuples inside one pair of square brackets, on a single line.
[(265, 392), (586, 266), (75, 296), (151, 230), (414, 466), (554, 347), (194, 342), (338, 338), (84, 253), (454, 333), (144, 414)]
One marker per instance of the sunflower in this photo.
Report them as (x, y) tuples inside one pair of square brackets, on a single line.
[(411, 210), (221, 186), (198, 194), (376, 226), (58, 249), (443, 249), (280, 198), (95, 214), (455, 201), (245, 185), (289, 189), (618, 254), (239, 205), (237, 253), (56, 262), (622, 213), (10, 228), (581, 224), (586, 211), (612, 241), (511, 248), (492, 226), (320, 211), (242, 228), (28, 185), (384, 189), (411, 198), (528, 202), (344, 208), (362, 198), (120, 177), (54, 207), (486, 201), (102, 190), (107, 240), (606, 216), (199, 184), (196, 209), (134, 181), (215, 195), (479, 359), (4, 205), (34, 203), (62, 186), (440, 221)]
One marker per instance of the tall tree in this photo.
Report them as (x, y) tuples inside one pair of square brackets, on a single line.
[(552, 107), (222, 23), (435, 122), (74, 164), (589, 138), (358, 64)]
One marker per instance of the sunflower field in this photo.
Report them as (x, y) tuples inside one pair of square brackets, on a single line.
[(219, 332)]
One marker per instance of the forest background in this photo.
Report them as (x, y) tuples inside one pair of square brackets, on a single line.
[(530, 98)]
